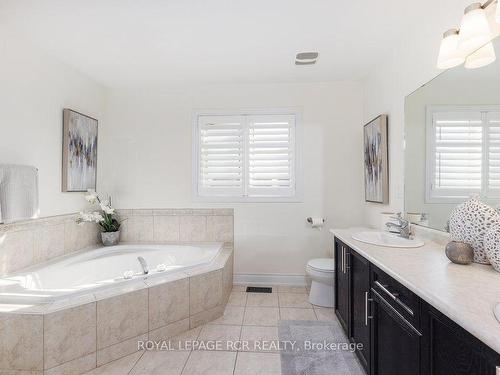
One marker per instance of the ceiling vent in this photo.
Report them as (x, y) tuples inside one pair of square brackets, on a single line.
[(306, 58)]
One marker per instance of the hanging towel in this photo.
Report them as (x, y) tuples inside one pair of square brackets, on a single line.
[(18, 192)]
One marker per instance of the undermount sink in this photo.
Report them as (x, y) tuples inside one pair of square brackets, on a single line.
[(386, 239)]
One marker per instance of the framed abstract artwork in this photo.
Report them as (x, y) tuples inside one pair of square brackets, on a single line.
[(79, 163), (376, 154)]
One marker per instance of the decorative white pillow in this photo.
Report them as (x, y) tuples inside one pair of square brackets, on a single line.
[(469, 223), (492, 246)]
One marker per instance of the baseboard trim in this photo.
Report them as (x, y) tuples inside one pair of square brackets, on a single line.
[(257, 280)]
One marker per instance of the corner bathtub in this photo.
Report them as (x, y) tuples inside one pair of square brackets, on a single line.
[(101, 268)]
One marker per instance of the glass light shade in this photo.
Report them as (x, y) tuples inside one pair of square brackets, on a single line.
[(482, 57), (475, 29), (449, 54), (498, 12)]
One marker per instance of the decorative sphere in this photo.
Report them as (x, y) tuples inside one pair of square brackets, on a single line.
[(460, 252)]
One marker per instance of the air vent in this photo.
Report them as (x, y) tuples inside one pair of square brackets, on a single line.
[(306, 58)]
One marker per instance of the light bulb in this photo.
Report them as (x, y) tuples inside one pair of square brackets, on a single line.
[(475, 29), (498, 12), (482, 57), (449, 54)]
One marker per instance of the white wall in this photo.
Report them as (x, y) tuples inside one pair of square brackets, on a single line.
[(146, 148), (409, 66), (34, 89)]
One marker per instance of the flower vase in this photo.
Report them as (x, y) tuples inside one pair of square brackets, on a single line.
[(110, 238)]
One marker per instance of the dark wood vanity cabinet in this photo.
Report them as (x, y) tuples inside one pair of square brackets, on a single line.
[(395, 335), (449, 349), (352, 278), (401, 333), (342, 308), (359, 279)]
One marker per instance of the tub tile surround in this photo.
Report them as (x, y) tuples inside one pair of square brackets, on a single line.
[(168, 303), (26, 243), (22, 342), (79, 334), (69, 334), (64, 341), (122, 317), (177, 225)]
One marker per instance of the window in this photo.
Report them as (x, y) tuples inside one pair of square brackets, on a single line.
[(463, 153), (246, 157)]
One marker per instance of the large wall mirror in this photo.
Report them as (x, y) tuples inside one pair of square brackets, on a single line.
[(452, 135)]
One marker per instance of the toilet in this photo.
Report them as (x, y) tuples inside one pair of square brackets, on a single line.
[(321, 272)]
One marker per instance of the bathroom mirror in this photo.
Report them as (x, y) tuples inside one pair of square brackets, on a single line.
[(452, 136)]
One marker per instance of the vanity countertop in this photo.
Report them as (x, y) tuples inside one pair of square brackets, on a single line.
[(466, 294)]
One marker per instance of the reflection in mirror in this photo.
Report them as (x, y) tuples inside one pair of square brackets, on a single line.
[(452, 135)]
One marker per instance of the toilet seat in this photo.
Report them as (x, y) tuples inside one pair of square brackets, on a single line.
[(322, 264)]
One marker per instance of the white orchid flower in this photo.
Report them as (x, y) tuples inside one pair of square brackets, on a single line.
[(97, 217), (91, 198), (84, 217), (107, 208)]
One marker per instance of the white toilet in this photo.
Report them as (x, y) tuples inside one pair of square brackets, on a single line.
[(321, 272)]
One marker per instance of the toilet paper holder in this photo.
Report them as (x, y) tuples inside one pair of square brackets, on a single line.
[(310, 220)]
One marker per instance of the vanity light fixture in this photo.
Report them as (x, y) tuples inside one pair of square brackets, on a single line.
[(482, 57), (449, 54), (475, 29), (464, 45)]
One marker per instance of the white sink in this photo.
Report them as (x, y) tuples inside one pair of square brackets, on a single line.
[(386, 239)]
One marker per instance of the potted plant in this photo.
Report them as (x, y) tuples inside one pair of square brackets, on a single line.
[(105, 217)]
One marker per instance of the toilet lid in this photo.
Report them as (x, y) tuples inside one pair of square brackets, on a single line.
[(322, 264)]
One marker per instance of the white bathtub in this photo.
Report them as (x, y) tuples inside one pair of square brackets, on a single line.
[(100, 268)]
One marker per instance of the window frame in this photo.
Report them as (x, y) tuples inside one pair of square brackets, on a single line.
[(431, 198), (195, 154)]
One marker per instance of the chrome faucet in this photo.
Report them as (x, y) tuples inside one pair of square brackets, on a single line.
[(402, 227), (144, 265)]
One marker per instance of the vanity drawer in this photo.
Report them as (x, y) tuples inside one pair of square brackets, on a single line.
[(403, 300)]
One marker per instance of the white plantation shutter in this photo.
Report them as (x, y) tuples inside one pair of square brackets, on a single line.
[(457, 154), (246, 156), (463, 153), (220, 155), (271, 143), (493, 131)]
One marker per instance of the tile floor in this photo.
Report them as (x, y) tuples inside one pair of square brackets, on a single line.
[(251, 317)]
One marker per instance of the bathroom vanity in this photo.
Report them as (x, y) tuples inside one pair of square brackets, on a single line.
[(414, 311)]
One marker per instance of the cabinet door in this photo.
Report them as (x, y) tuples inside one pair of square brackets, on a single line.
[(452, 350), (342, 285), (360, 289), (395, 343)]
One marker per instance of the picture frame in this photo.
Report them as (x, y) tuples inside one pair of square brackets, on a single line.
[(376, 160), (79, 157)]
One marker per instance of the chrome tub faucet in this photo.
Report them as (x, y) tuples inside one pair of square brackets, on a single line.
[(144, 265)]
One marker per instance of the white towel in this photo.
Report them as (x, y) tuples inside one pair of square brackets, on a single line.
[(18, 192)]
